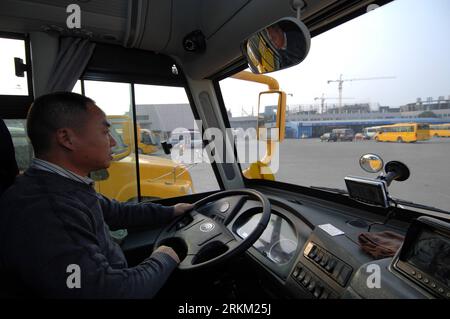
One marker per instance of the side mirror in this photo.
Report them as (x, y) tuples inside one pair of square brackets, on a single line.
[(371, 163), (279, 46), (166, 147), (271, 114)]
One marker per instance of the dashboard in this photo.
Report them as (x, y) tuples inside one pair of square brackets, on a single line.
[(278, 243), (310, 248)]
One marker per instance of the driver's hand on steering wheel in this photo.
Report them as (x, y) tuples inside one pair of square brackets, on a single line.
[(182, 208), (169, 251)]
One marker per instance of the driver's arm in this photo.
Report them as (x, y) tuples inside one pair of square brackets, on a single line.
[(70, 236), (127, 215)]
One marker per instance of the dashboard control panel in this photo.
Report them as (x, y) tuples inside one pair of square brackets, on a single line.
[(334, 267), (306, 278)]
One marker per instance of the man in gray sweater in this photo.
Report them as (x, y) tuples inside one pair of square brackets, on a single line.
[(53, 223)]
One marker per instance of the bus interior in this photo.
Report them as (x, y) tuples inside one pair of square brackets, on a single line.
[(273, 238)]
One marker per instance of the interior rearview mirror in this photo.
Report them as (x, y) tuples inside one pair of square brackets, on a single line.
[(279, 46)]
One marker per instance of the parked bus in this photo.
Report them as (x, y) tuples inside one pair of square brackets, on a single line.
[(370, 132), (122, 124), (403, 133), (440, 130)]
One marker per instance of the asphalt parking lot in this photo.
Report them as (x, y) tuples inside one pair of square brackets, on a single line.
[(310, 162)]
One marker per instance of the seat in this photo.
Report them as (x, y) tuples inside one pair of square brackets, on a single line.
[(8, 172), (8, 165)]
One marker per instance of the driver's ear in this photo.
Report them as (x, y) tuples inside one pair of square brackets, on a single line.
[(66, 137)]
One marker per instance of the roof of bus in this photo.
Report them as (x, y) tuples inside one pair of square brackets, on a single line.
[(403, 124), (368, 122)]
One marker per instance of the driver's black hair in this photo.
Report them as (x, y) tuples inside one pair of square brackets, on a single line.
[(51, 112)]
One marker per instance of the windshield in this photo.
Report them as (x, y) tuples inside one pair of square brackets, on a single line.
[(376, 83)]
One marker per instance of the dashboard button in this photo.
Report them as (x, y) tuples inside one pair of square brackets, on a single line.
[(324, 260), (330, 265), (426, 280), (337, 269), (344, 275), (419, 276), (325, 294), (313, 252), (311, 286), (301, 275), (433, 285), (319, 256), (318, 291), (440, 290), (296, 272), (306, 281)]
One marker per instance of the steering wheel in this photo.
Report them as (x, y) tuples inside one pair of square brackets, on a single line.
[(207, 239)]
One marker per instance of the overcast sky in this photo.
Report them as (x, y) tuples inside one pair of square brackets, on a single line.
[(408, 39)]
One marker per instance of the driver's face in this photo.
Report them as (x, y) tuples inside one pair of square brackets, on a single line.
[(276, 34), (94, 141)]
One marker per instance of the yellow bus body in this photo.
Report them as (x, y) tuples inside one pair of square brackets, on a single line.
[(159, 177), (440, 130), (403, 133)]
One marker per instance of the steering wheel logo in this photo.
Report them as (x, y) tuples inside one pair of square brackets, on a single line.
[(207, 227)]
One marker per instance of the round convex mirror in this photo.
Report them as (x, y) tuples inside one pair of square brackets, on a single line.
[(371, 163)]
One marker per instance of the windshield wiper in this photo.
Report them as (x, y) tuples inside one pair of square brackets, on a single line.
[(421, 206), (330, 189)]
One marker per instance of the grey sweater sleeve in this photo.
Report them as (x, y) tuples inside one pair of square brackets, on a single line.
[(70, 239), (124, 215)]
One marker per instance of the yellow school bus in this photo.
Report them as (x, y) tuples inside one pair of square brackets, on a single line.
[(440, 130), (159, 177), (403, 133), (122, 124)]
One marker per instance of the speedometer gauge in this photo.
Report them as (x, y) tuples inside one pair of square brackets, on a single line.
[(282, 251), (277, 243)]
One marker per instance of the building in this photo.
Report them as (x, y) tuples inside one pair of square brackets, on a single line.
[(300, 124), (350, 109), (244, 122), (429, 105), (154, 117)]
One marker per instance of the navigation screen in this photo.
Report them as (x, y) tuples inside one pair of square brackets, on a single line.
[(431, 254), (367, 191)]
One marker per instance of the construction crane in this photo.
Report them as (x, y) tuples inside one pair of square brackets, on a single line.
[(340, 81), (323, 98), (244, 112)]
